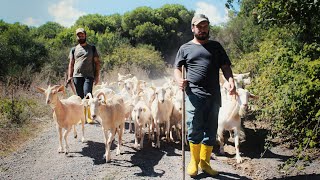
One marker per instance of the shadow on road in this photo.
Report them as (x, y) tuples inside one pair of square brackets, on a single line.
[(95, 150), (146, 160), (222, 175), (253, 145)]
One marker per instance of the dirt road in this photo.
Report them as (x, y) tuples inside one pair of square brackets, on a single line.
[(39, 159)]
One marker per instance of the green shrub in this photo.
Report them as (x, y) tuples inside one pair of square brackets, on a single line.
[(16, 111), (287, 82), (143, 56)]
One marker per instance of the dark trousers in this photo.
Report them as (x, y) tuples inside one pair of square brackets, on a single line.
[(83, 85), (202, 119)]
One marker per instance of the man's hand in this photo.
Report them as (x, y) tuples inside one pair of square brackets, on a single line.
[(182, 83), (232, 87), (96, 80), (68, 81)]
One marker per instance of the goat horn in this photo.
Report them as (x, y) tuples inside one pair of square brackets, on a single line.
[(104, 96)]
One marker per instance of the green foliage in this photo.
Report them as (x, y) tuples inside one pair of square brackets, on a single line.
[(95, 22), (19, 50), (292, 12), (137, 17), (165, 28), (66, 38), (108, 41), (143, 56), (15, 111), (288, 85), (149, 33), (242, 34), (49, 30)]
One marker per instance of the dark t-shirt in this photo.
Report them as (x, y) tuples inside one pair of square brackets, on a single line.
[(202, 63), (84, 60)]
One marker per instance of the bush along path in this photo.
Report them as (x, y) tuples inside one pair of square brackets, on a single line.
[(39, 159)]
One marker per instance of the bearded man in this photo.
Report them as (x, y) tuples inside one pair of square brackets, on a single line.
[(84, 66), (203, 58)]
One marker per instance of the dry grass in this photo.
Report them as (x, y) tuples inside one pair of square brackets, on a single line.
[(31, 116), (12, 138)]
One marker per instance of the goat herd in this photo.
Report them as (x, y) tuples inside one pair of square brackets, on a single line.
[(156, 109)]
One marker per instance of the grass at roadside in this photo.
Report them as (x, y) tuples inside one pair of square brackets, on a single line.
[(22, 115), (12, 138)]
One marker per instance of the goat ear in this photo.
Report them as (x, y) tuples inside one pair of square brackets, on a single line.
[(61, 89), (41, 90), (253, 96)]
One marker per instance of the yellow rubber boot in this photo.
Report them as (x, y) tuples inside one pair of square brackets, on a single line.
[(89, 120), (192, 168), (205, 154)]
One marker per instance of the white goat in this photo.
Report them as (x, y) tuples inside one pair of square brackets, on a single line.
[(176, 116), (230, 117), (111, 112), (142, 117), (66, 112), (161, 109)]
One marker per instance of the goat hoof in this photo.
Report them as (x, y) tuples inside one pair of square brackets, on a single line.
[(222, 152), (75, 136), (83, 140), (239, 160)]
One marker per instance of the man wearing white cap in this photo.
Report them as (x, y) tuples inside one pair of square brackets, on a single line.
[(84, 66), (202, 58)]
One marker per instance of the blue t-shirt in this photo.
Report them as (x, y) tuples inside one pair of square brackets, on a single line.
[(202, 63)]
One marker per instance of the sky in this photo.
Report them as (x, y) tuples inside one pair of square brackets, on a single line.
[(66, 12)]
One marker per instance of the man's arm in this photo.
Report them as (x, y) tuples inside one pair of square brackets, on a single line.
[(178, 77), (227, 72), (97, 70), (70, 68)]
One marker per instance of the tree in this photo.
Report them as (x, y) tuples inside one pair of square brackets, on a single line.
[(137, 17), (108, 41), (301, 14), (142, 56), (96, 22), (19, 50), (49, 30), (149, 33)]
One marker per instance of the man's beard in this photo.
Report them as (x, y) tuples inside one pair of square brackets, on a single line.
[(202, 37), (82, 41)]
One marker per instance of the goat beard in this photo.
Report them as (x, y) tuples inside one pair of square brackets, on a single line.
[(82, 41)]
